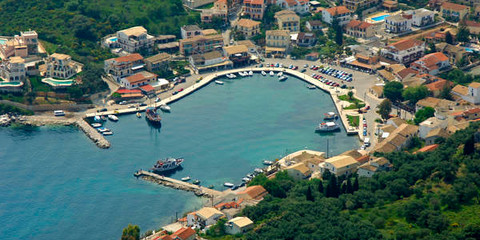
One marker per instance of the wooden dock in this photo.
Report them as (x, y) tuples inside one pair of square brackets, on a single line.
[(177, 184)]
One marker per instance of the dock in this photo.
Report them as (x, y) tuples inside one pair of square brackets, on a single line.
[(177, 184), (93, 134)]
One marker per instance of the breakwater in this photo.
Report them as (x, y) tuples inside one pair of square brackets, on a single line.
[(93, 134)]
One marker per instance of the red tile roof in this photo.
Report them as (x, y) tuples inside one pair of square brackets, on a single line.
[(137, 78), (334, 11), (254, 192), (147, 88), (184, 233), (472, 111), (431, 60), (405, 72), (428, 148), (453, 6), (405, 44), (358, 24), (438, 85), (129, 58), (363, 159), (472, 23), (124, 91)]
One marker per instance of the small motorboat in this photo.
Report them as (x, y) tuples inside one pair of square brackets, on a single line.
[(246, 179), (139, 115), (258, 170), (185, 179), (242, 74), (311, 86), (113, 117), (266, 162), (97, 119), (229, 185), (264, 73), (103, 118), (282, 78), (102, 130), (107, 133), (219, 82), (96, 125), (211, 186), (327, 127), (279, 74), (231, 75), (165, 108), (272, 73), (250, 73), (330, 116), (196, 182)]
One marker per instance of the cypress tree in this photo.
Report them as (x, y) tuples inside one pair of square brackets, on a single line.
[(343, 188), (310, 195), (469, 146), (349, 186), (320, 187), (332, 187), (355, 184)]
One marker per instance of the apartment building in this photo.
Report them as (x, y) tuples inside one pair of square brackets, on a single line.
[(421, 17), (13, 69), (254, 8), (201, 44), (340, 14), (299, 6), (124, 66), (135, 39), (398, 23), (62, 66), (248, 28), (190, 31), (453, 11), (288, 20), (360, 29), (20, 45), (404, 51), (353, 5), (432, 63), (277, 42)]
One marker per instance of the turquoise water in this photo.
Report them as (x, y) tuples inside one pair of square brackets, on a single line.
[(10, 83), (3, 41), (380, 18), (56, 184), (58, 82)]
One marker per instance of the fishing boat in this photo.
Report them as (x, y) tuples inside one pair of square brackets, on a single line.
[(113, 117), (279, 74), (272, 73), (167, 164), (264, 73), (311, 86), (165, 108), (250, 73), (282, 78), (229, 185), (196, 182), (327, 127), (96, 125), (107, 133), (185, 179), (219, 82), (152, 116), (139, 115), (266, 162), (330, 116)]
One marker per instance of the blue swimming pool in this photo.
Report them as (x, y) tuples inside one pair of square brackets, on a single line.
[(380, 18), (113, 39), (469, 50), (2, 41)]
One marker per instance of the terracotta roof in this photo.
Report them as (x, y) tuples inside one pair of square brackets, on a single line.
[(236, 49), (135, 31), (248, 23), (405, 44), (430, 61), (124, 90), (352, 153), (147, 88), (315, 23), (397, 121), (396, 140), (407, 71), (284, 14), (60, 56), (363, 159), (429, 102), (385, 147), (301, 167), (254, 192), (158, 58), (208, 212), (406, 129), (367, 166), (184, 233), (278, 33), (164, 237), (334, 11), (129, 58), (454, 6), (438, 85), (472, 111), (459, 89), (255, 2), (358, 24), (386, 74), (397, 67), (381, 161), (136, 78), (428, 148), (474, 85)]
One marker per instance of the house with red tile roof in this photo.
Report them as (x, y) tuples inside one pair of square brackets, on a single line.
[(406, 73), (432, 63), (453, 11), (256, 192), (184, 234), (138, 80), (254, 8), (428, 148), (299, 6), (473, 27), (470, 94), (360, 29), (341, 14), (404, 51), (437, 86), (123, 66)]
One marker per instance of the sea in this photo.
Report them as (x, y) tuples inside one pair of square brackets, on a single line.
[(56, 184)]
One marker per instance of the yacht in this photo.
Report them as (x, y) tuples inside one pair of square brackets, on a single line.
[(165, 108), (219, 82), (229, 185), (102, 130), (250, 73), (167, 164), (231, 75), (279, 74), (258, 170), (107, 133), (264, 73), (113, 117), (272, 73), (282, 78), (330, 116), (96, 125), (266, 162), (185, 179), (327, 127)]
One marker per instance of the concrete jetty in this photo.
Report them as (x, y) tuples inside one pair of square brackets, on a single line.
[(93, 134), (177, 184), (39, 120)]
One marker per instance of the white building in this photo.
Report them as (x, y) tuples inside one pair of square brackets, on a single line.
[(135, 39), (474, 92), (398, 24), (421, 17), (208, 216), (369, 168), (339, 165), (404, 51), (190, 31), (428, 125), (432, 63), (238, 225), (299, 6), (340, 14), (62, 66), (13, 69)]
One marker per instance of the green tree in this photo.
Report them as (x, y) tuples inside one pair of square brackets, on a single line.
[(320, 187), (463, 33), (350, 95), (414, 94), (423, 114), (445, 93), (393, 91), (469, 146), (384, 108), (356, 184), (309, 194), (448, 38), (131, 232)]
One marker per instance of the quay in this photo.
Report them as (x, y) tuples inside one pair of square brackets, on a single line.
[(177, 184), (93, 134)]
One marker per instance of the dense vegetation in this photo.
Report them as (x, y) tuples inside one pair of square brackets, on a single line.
[(431, 195), (4, 108)]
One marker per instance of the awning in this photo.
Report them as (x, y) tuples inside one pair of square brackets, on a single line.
[(274, 49), (137, 67)]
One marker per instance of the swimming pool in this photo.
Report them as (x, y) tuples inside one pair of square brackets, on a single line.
[(114, 39), (380, 18), (57, 83), (469, 50), (2, 41), (11, 84)]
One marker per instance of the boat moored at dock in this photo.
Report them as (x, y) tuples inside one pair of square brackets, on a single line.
[(327, 127), (264, 73), (186, 179), (272, 73), (96, 125), (250, 73), (231, 75), (152, 116), (219, 82), (266, 162), (330, 116), (112, 117), (139, 115), (167, 164), (229, 185), (165, 108), (282, 78)]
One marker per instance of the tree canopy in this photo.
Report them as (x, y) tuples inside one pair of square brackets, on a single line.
[(393, 91), (423, 114), (414, 94)]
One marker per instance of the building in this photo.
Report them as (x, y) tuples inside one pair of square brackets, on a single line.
[(306, 39), (421, 17), (288, 20), (196, 3), (159, 62), (208, 216), (390, 5), (353, 5), (398, 23), (277, 42), (20, 46), (219, 10), (404, 51), (238, 225), (340, 14), (184, 234), (213, 60), (250, 45), (398, 139), (435, 134), (453, 12), (432, 63), (340, 165), (254, 8), (299, 171), (473, 27), (428, 125), (13, 70), (470, 94), (299, 6), (248, 28), (256, 192), (190, 31), (62, 66), (428, 148), (201, 44), (123, 66), (238, 54), (138, 80), (313, 25), (134, 39), (369, 168), (360, 29), (453, 52), (437, 86)]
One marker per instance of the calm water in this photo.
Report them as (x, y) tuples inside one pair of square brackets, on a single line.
[(56, 184)]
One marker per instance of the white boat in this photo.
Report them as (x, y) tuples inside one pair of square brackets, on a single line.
[(311, 86), (264, 73), (97, 119), (231, 75), (330, 116), (218, 82), (327, 127), (282, 78), (96, 125), (229, 185), (246, 179), (258, 170), (102, 130), (272, 73), (167, 164), (266, 162), (250, 73), (107, 133), (165, 108), (139, 115), (112, 117), (185, 179), (279, 74)]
